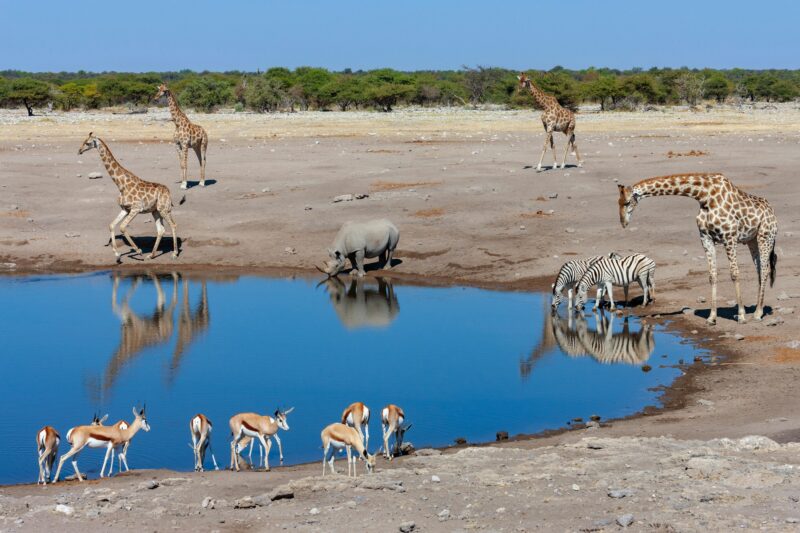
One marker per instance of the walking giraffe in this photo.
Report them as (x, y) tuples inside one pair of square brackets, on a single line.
[(554, 118), (728, 216), (187, 135), (135, 196)]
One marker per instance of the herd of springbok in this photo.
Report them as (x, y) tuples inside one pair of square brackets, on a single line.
[(352, 433)]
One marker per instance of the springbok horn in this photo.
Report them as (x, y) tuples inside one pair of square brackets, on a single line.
[(289, 410), (135, 413)]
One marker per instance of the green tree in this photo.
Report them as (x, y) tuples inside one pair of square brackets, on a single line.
[(345, 90), (205, 94), (70, 95), (313, 80), (264, 94), (718, 87), (29, 93), (602, 89), (387, 87)]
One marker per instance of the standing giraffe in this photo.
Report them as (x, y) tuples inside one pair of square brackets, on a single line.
[(554, 118), (728, 216), (135, 196), (187, 135)]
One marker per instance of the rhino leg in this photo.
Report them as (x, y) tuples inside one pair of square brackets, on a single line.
[(358, 263), (388, 262)]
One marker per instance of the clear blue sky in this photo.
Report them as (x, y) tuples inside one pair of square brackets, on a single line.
[(55, 35)]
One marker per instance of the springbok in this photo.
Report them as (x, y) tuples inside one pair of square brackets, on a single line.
[(122, 456), (341, 436), (100, 437), (393, 421), (357, 415), (47, 441), (260, 427), (200, 427)]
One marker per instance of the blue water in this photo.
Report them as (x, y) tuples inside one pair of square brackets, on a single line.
[(462, 362)]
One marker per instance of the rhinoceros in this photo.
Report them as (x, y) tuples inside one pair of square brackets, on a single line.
[(359, 240)]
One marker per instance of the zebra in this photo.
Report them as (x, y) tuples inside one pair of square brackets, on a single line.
[(617, 271), (568, 277)]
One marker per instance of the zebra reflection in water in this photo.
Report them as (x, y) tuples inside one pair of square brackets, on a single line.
[(573, 336)]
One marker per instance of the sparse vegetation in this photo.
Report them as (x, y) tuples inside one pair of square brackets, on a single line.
[(281, 89)]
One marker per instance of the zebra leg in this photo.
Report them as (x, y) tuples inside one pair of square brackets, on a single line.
[(599, 297), (610, 293), (625, 290)]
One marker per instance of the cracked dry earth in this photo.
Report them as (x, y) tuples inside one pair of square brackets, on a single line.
[(593, 484)]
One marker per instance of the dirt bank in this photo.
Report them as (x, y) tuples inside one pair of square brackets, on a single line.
[(470, 210)]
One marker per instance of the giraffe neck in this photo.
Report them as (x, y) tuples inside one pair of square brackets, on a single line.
[(682, 185), (114, 169), (178, 116), (542, 100)]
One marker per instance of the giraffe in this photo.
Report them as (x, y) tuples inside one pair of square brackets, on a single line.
[(554, 118), (728, 216), (135, 196), (187, 135)]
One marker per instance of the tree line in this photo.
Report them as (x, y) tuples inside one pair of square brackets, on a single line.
[(304, 88)]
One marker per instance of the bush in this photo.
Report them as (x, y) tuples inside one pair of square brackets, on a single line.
[(264, 94), (387, 87), (717, 87), (29, 93), (205, 94)]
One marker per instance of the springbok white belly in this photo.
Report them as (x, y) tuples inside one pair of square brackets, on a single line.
[(97, 443), (251, 433)]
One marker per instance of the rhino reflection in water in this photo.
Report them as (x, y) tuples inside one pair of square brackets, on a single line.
[(360, 305), (573, 337)]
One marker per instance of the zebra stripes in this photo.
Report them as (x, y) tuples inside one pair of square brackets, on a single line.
[(621, 272), (568, 277)]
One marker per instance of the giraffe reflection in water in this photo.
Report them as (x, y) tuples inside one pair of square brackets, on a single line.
[(573, 336), (141, 331)]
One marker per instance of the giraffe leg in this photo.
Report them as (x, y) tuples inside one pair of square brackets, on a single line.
[(159, 233), (201, 156), (566, 148), (711, 258), (183, 154), (124, 229), (761, 249), (174, 228), (730, 250), (113, 240), (548, 136), (575, 149), (553, 148)]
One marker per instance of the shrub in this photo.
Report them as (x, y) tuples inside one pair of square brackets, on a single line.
[(264, 94), (29, 93), (205, 94)]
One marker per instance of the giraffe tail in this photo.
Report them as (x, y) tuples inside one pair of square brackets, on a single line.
[(183, 200), (773, 263)]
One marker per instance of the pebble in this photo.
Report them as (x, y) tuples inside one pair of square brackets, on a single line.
[(244, 503), (208, 502), (65, 509), (314, 511), (266, 189), (553, 195), (738, 337), (701, 299), (444, 514), (570, 230), (576, 487), (71, 235), (625, 520), (94, 175), (592, 424), (343, 198), (407, 527), (793, 344), (435, 479), (289, 250), (620, 493), (500, 510), (307, 208)]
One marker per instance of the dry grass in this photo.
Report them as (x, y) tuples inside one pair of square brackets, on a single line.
[(690, 153), (395, 185), (430, 213)]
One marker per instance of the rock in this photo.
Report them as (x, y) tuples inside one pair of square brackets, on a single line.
[(707, 403), (149, 485), (208, 502), (262, 500), (314, 511), (500, 510), (435, 479), (94, 175), (625, 520), (620, 493), (266, 189), (687, 311), (78, 175), (244, 503), (174, 481), (553, 195), (738, 337), (307, 208), (374, 483), (443, 515), (281, 493), (460, 440), (701, 299), (71, 235), (424, 452), (65, 509), (407, 527), (576, 487), (289, 250), (592, 424), (502, 435), (8, 266), (343, 198), (793, 344), (570, 230), (361, 196), (777, 321)]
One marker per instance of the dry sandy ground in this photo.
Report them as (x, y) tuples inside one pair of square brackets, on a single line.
[(459, 186)]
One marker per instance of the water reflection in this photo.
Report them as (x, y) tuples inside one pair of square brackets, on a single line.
[(140, 331), (361, 305), (573, 336)]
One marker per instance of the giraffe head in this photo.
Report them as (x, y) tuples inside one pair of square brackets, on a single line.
[(163, 90), (90, 142), (628, 200), (523, 80)]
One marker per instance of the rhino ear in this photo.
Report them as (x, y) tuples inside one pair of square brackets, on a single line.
[(338, 254)]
